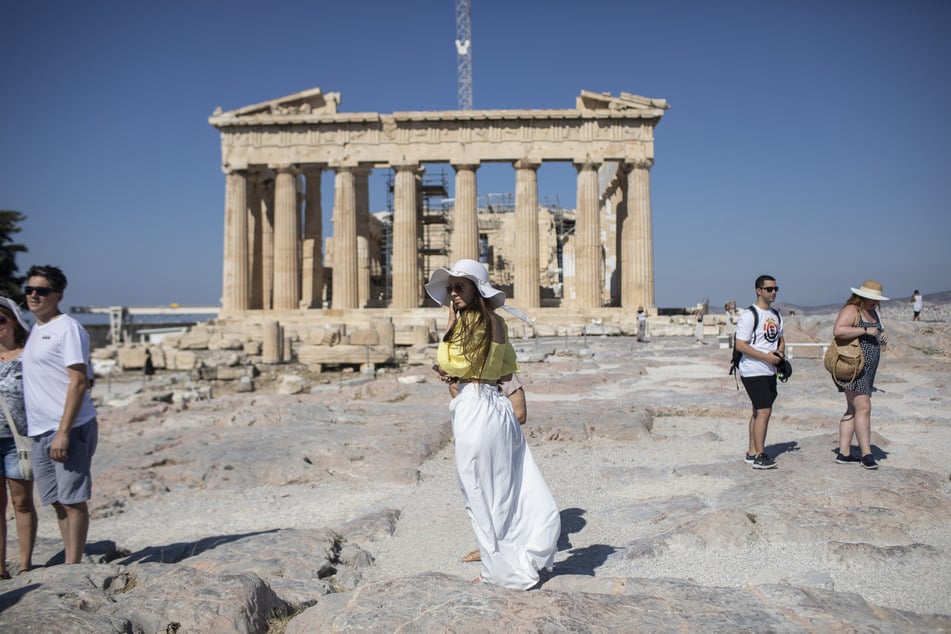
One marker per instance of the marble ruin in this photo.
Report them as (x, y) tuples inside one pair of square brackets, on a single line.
[(291, 297), (273, 154)]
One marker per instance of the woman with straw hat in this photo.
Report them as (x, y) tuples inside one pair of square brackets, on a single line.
[(513, 513), (859, 318)]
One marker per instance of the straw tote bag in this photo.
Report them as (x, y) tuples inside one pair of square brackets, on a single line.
[(844, 360)]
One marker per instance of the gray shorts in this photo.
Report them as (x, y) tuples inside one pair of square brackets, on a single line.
[(67, 482)]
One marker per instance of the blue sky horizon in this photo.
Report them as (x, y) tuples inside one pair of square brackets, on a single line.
[(806, 140)]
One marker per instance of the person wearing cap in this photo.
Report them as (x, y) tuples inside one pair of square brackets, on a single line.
[(13, 334), (60, 415), (859, 318), (512, 510)]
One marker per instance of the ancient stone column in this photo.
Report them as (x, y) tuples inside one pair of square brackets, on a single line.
[(312, 288), (465, 215), (362, 176), (587, 239), (526, 291), (345, 285), (271, 341), (236, 280), (637, 257), (406, 291), (286, 241)]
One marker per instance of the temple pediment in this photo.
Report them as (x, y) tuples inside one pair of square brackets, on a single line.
[(311, 101), (604, 101)]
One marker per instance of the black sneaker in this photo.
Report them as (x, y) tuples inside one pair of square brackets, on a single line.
[(850, 459), (749, 459), (869, 462), (763, 461)]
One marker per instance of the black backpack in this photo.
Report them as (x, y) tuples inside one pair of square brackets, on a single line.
[(735, 361)]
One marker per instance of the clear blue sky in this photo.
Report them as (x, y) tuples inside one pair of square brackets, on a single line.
[(808, 139)]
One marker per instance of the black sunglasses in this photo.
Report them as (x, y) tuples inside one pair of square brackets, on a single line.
[(42, 291), (457, 287), (770, 289)]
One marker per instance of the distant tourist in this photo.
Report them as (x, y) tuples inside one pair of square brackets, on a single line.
[(699, 315), (13, 439), (513, 513), (916, 305), (859, 318), (730, 309), (148, 368), (762, 349), (641, 324), (60, 415)]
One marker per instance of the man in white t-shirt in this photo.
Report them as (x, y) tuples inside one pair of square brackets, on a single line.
[(761, 351), (61, 418)]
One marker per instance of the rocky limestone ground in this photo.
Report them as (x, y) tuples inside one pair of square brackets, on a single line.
[(338, 510)]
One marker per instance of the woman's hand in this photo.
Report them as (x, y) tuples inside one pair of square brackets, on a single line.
[(452, 317)]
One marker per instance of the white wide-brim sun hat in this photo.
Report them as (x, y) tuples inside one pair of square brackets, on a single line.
[(870, 289), (471, 270), (11, 306)]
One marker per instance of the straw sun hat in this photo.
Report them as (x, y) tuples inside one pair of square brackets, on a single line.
[(870, 289), (471, 270)]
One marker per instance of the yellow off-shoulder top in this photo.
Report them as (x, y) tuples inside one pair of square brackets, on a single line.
[(501, 361)]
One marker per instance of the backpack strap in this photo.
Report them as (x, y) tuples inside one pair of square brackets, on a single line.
[(755, 312)]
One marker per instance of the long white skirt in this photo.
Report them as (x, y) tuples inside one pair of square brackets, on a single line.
[(513, 513)]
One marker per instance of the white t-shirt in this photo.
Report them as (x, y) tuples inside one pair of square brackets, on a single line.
[(769, 330), (51, 348), (918, 304)]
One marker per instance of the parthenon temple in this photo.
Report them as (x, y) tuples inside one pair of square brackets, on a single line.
[(276, 259)]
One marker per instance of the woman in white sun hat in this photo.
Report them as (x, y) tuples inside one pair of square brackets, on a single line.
[(859, 318), (513, 513), (13, 439)]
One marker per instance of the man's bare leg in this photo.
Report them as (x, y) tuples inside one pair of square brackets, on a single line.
[(73, 522)]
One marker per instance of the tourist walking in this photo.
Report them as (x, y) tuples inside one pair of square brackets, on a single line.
[(641, 324), (60, 415), (16, 472), (513, 513), (699, 334), (916, 305), (759, 337), (148, 367), (859, 318)]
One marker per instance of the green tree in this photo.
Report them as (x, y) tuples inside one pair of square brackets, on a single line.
[(11, 284)]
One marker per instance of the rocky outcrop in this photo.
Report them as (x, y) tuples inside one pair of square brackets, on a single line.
[(435, 602)]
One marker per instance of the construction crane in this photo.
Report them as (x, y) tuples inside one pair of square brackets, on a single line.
[(464, 54)]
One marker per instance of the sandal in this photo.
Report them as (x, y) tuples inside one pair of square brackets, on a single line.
[(473, 556)]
